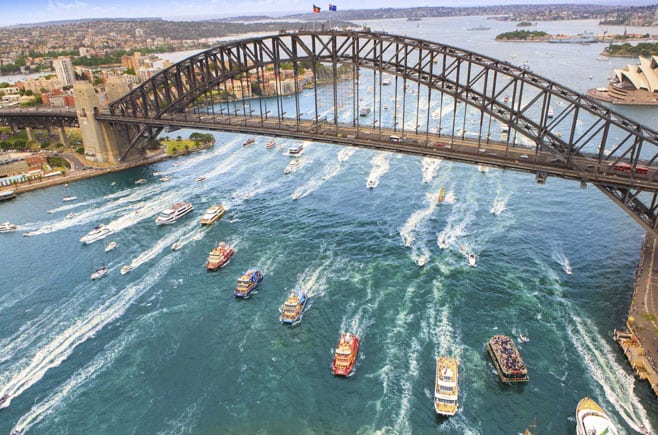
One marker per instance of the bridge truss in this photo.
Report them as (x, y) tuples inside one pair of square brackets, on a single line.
[(430, 92)]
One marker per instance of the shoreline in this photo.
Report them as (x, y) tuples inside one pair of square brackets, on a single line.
[(640, 341)]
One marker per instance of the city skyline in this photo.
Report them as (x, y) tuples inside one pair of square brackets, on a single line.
[(38, 11)]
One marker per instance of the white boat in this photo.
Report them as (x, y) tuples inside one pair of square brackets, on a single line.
[(296, 150), (446, 387), (371, 183), (270, 144), (550, 113), (140, 181), (7, 227), (471, 259), (524, 338), (364, 111), (443, 243), (173, 213), (200, 178), (483, 169), (125, 269), (386, 82), (99, 232), (69, 198), (176, 246), (292, 166), (567, 268), (296, 195), (70, 215), (591, 420), (111, 246), (165, 178), (99, 273), (422, 261)]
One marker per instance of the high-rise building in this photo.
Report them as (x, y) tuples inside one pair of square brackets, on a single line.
[(64, 70)]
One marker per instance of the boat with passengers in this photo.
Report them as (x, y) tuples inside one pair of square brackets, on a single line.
[(173, 213), (212, 214), (292, 309), (219, 256), (590, 419), (6, 227), (99, 232), (446, 387), (507, 359), (345, 355), (247, 283)]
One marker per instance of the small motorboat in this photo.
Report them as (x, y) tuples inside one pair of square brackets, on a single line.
[(100, 272), (292, 309), (69, 198), (292, 166), (140, 181), (165, 178), (3, 399), (200, 178), (296, 195), (71, 215), (111, 246), (249, 141), (524, 338), (176, 246), (345, 355), (471, 259), (7, 227), (247, 283), (219, 256), (371, 183), (443, 243), (567, 268), (125, 269), (422, 261), (270, 144)]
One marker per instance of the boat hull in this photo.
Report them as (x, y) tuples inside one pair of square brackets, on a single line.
[(590, 418), (297, 318), (345, 356), (446, 386), (244, 292)]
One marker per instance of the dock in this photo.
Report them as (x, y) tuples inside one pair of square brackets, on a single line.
[(640, 341)]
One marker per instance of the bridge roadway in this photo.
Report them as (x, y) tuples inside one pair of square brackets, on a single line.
[(581, 167)]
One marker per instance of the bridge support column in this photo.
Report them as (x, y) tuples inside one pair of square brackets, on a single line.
[(98, 139), (62, 136), (30, 134)]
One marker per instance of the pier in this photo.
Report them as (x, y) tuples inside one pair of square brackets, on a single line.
[(640, 342)]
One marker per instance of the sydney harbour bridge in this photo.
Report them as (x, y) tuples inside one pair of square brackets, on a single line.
[(379, 91)]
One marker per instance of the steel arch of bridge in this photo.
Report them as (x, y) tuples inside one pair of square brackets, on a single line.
[(580, 131)]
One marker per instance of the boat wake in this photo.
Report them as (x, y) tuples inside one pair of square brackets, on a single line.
[(417, 217), (379, 167), (430, 166), (58, 349), (617, 384), (313, 281), (559, 256), (345, 154)]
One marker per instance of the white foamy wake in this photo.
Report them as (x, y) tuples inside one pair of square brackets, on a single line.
[(379, 167), (617, 384), (409, 227), (430, 166), (58, 349), (315, 182), (559, 256), (345, 154), (313, 281)]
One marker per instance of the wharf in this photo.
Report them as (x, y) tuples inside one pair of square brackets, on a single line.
[(640, 343)]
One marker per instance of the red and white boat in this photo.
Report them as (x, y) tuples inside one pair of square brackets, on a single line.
[(219, 256), (345, 356)]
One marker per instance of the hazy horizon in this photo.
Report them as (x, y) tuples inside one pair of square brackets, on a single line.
[(40, 11)]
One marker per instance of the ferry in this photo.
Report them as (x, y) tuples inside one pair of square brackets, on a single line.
[(99, 232), (446, 387), (507, 359), (7, 195), (270, 144), (345, 356), (173, 213), (590, 419), (292, 166), (364, 111), (296, 150), (219, 256), (99, 273), (111, 246), (442, 195), (249, 141), (7, 227), (292, 309), (247, 283), (212, 214), (125, 269)]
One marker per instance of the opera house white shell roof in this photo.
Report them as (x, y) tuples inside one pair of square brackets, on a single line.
[(642, 76)]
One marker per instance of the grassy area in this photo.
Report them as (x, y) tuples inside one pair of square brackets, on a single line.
[(194, 142), (176, 146)]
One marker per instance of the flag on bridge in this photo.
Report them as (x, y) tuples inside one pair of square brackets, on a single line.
[(316, 10), (332, 8)]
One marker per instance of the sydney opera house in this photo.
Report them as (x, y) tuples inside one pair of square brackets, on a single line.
[(635, 84)]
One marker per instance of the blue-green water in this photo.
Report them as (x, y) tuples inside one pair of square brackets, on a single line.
[(168, 349)]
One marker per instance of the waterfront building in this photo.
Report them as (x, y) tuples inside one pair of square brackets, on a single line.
[(634, 84), (64, 70)]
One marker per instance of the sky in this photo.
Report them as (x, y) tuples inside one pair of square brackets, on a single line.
[(35, 11)]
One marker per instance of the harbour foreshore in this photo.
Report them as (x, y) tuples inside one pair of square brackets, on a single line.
[(87, 171), (640, 342)]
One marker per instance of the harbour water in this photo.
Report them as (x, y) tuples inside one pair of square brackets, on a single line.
[(167, 348)]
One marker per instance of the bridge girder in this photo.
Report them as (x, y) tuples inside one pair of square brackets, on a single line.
[(511, 95)]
